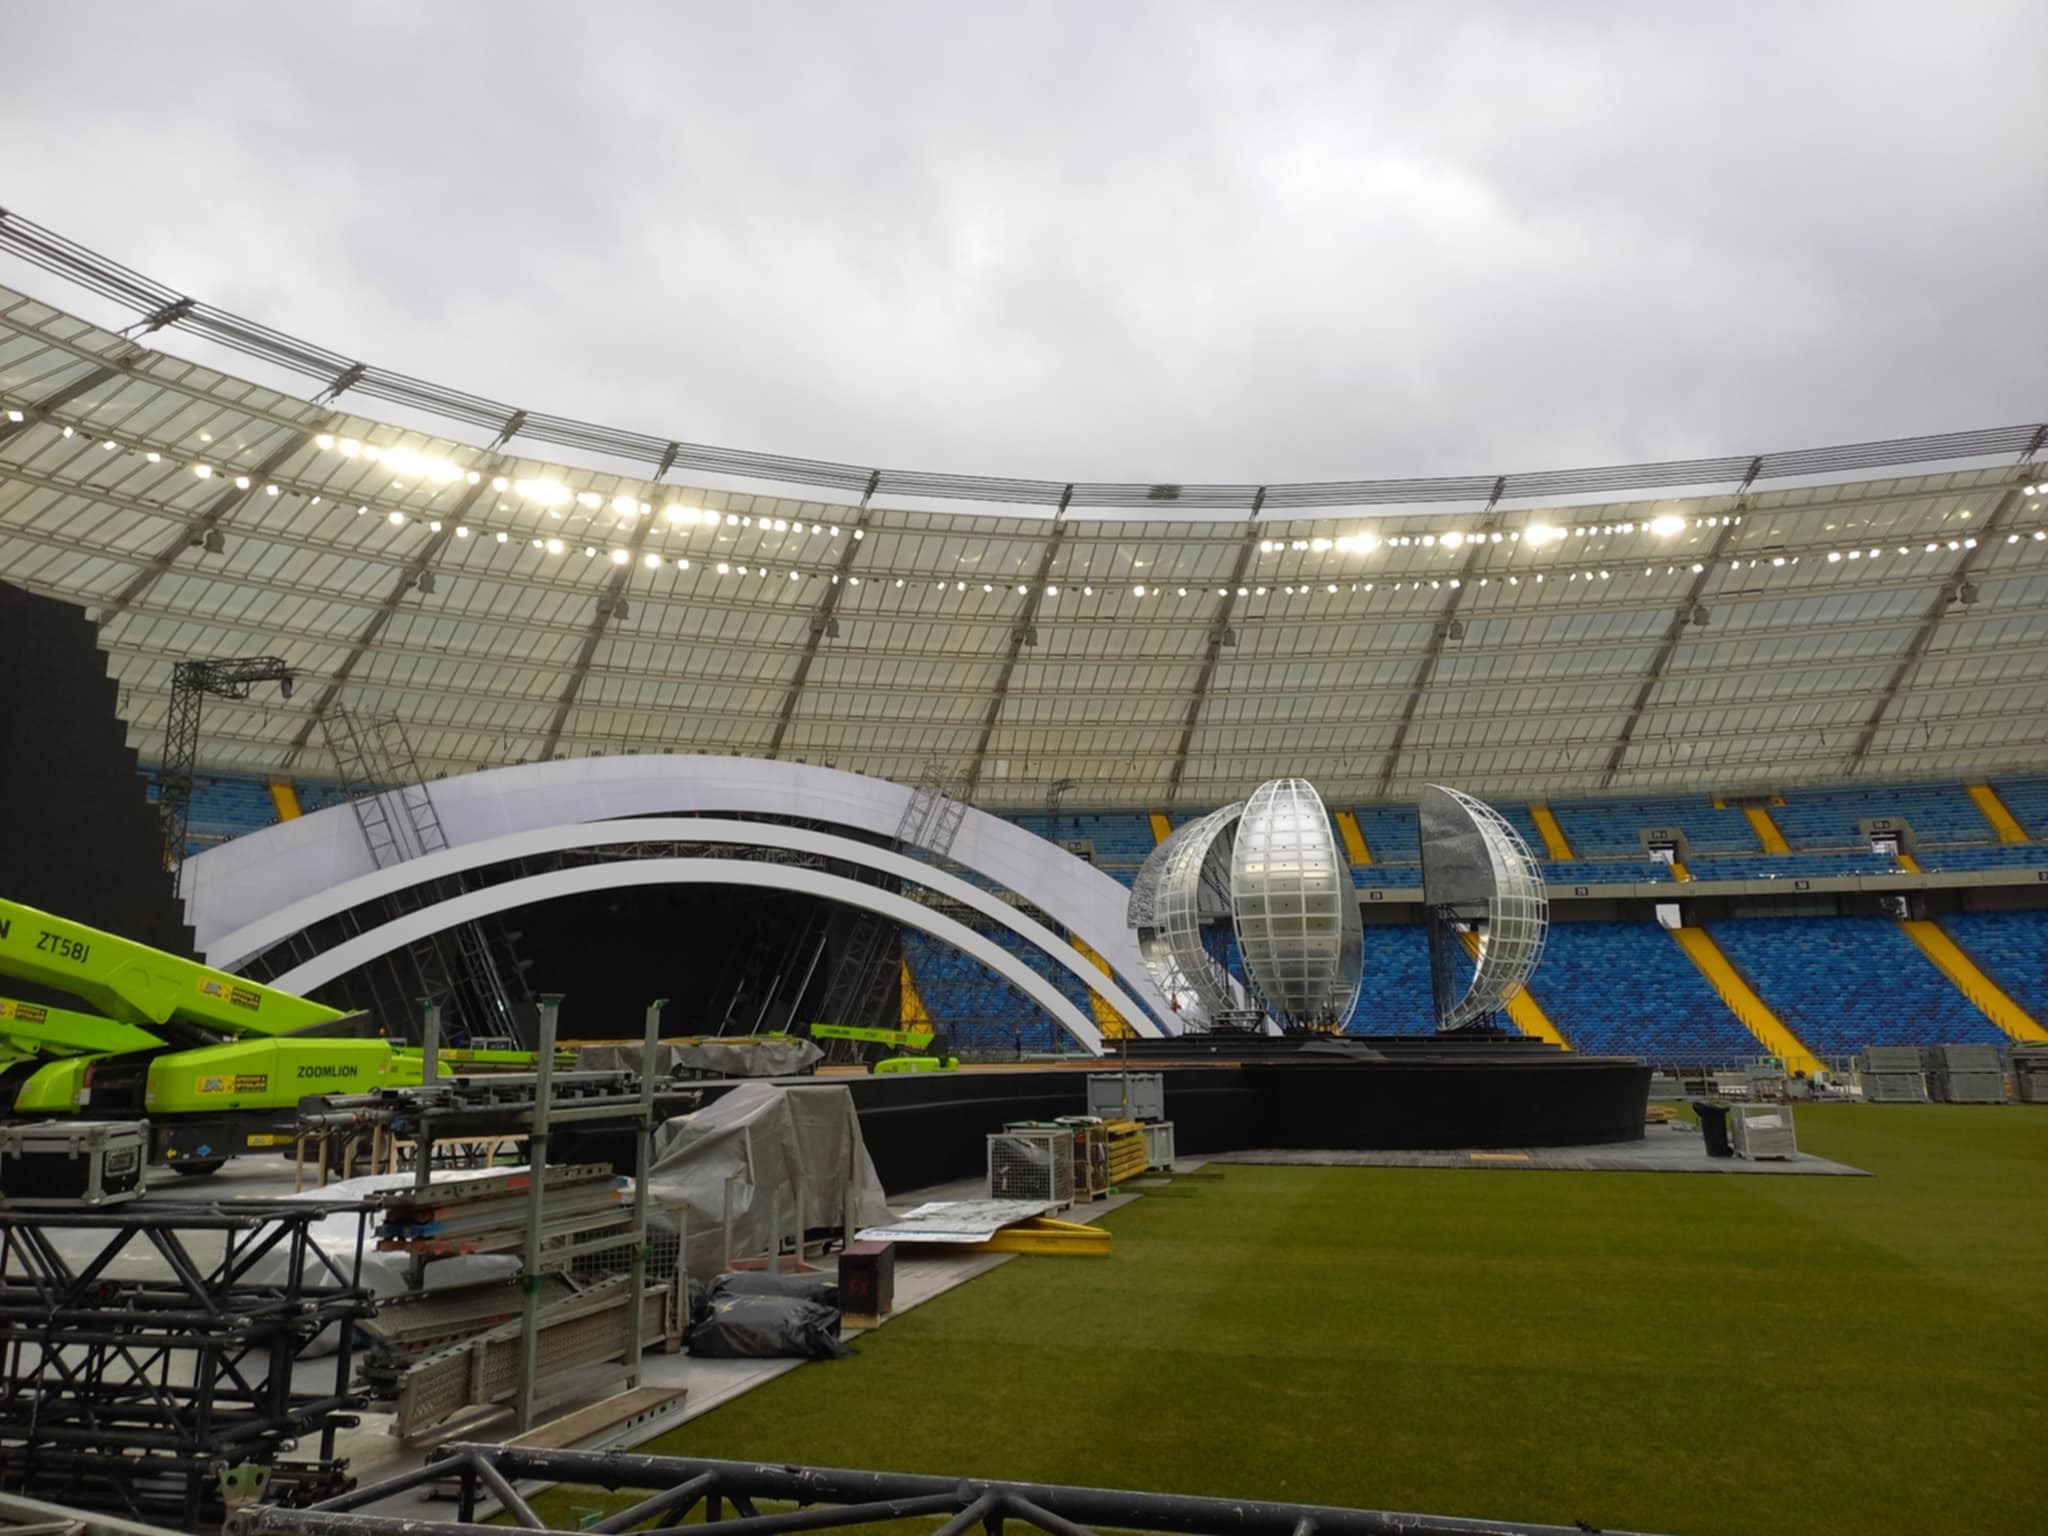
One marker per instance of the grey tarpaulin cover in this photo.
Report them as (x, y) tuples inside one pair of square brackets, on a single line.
[(765, 1137), (737, 1057)]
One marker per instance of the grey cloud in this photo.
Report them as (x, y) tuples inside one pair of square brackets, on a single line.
[(1189, 242)]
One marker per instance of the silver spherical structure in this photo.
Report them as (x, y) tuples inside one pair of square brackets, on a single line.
[(1296, 909), (1272, 868), (1477, 871)]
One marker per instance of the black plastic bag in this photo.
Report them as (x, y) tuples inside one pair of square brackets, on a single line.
[(767, 1328), (700, 1300), (819, 1288)]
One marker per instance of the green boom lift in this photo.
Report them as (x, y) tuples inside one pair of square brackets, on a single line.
[(922, 1051), (217, 1063)]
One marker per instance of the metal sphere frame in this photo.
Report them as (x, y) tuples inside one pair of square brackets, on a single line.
[(1516, 911)]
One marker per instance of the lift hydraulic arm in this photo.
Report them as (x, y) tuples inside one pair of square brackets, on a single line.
[(141, 986)]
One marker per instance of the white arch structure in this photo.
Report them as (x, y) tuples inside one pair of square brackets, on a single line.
[(240, 894), (238, 948), (366, 947)]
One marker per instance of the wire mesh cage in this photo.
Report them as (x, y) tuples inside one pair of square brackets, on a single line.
[(1032, 1165)]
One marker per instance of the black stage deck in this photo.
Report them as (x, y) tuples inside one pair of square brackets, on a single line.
[(1233, 1096), (1236, 1094)]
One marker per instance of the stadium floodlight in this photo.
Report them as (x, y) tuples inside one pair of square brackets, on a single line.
[(1666, 525), (549, 493)]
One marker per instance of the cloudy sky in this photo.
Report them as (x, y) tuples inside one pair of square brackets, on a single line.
[(1248, 242)]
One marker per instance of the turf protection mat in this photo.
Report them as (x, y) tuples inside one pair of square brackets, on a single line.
[(1661, 1151)]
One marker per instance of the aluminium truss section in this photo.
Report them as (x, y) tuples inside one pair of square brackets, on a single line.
[(472, 971), (667, 1491), (147, 1347), (869, 958)]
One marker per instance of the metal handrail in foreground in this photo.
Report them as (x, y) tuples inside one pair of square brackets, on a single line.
[(158, 306), (826, 1498)]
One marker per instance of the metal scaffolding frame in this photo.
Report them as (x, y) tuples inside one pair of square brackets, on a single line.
[(867, 963), (823, 1499), (191, 682), (136, 1394), (472, 971)]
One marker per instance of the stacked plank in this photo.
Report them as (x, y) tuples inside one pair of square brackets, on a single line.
[(487, 1213)]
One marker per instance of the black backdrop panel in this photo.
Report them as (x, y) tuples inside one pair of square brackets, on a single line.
[(78, 836)]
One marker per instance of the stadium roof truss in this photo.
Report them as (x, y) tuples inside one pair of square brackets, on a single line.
[(519, 586)]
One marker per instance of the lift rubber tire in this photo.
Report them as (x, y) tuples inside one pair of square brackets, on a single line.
[(199, 1170)]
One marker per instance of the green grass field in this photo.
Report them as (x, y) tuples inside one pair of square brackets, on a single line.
[(1683, 1354)]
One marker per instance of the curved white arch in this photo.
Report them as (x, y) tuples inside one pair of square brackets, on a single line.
[(235, 949), (232, 886), (471, 905)]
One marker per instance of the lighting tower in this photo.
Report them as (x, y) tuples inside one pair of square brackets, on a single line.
[(191, 682)]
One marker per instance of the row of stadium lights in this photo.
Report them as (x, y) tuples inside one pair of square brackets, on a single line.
[(553, 494)]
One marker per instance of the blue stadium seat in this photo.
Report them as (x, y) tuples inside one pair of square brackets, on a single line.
[(2027, 799), (1627, 989), (2012, 949), (1841, 983), (1828, 817)]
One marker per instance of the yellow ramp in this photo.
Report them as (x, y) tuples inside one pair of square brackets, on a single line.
[(1984, 994), (1524, 1011), (1107, 1019), (1554, 844), (1162, 826), (912, 1013), (2009, 830), (1907, 862), (1354, 837), (1743, 1002), (286, 798), (1680, 873), (1768, 837)]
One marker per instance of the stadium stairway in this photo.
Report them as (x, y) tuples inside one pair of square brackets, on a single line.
[(1742, 1000), (1995, 812), (1555, 845), (1768, 837), (285, 797), (1162, 827), (2011, 947), (912, 1013), (1353, 837), (1524, 1011), (1985, 995), (1843, 982), (1112, 1024)]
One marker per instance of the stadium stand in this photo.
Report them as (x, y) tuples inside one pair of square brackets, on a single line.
[(1608, 986), (1828, 818), (1394, 997), (1841, 983), (2027, 799), (2012, 949), (1612, 828), (1626, 987)]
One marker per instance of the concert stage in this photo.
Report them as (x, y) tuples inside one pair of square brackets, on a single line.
[(1232, 1094)]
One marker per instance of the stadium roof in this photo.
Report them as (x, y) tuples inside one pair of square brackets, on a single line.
[(518, 586)]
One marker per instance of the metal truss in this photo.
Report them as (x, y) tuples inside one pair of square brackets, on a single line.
[(134, 1394), (733, 1493), (191, 682)]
